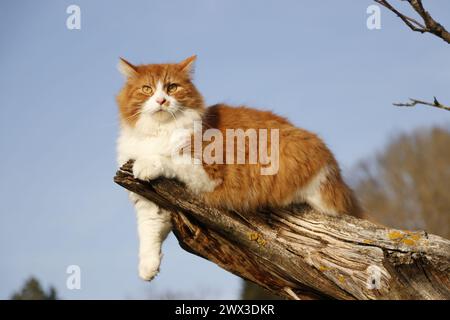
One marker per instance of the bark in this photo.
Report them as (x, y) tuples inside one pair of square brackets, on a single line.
[(296, 252)]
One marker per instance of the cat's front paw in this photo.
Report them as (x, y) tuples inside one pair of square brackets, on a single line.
[(149, 266), (148, 169)]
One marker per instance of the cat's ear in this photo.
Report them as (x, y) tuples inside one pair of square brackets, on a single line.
[(188, 64), (126, 69)]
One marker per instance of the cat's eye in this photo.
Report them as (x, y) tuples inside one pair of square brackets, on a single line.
[(172, 88), (147, 89)]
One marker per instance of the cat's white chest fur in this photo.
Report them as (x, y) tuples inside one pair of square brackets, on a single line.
[(153, 146), (134, 145), (149, 138)]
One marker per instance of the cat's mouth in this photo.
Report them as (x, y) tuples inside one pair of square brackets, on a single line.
[(159, 111), (162, 114)]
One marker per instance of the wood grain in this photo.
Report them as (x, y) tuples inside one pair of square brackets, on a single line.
[(296, 252)]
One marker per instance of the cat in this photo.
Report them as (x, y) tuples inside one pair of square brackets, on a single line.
[(158, 100)]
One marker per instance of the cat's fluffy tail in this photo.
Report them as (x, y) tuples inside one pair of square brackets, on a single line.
[(338, 196)]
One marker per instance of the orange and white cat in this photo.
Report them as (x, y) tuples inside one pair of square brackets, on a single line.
[(160, 99)]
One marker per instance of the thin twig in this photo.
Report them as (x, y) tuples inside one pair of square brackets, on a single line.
[(415, 102), (410, 22), (429, 25)]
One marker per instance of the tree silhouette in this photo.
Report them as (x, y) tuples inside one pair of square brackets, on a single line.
[(32, 290)]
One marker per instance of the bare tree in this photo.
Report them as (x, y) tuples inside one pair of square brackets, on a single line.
[(406, 185)]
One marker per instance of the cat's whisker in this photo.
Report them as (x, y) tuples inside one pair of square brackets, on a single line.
[(175, 118), (118, 121), (134, 115)]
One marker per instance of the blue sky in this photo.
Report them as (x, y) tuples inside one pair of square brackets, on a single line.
[(312, 61)]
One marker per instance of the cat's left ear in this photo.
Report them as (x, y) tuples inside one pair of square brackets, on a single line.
[(188, 64), (127, 69)]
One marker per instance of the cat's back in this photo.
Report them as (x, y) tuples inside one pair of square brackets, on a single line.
[(222, 116)]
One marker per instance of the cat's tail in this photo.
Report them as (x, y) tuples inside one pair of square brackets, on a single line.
[(336, 197), (348, 203)]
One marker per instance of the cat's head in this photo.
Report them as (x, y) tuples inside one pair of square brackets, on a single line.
[(158, 92)]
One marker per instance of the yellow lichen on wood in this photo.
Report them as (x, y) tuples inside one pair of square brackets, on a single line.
[(408, 241), (414, 235), (254, 236), (395, 235), (323, 268), (261, 241), (408, 238)]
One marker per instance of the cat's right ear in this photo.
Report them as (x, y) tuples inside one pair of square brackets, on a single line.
[(187, 65), (126, 69)]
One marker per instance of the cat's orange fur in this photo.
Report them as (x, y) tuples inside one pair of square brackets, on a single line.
[(130, 98), (302, 154)]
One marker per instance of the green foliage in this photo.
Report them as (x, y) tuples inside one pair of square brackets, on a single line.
[(32, 290)]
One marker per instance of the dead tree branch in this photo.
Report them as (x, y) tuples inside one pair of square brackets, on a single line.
[(429, 25), (301, 254), (415, 102)]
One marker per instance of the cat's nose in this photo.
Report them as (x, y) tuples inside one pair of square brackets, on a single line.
[(161, 101)]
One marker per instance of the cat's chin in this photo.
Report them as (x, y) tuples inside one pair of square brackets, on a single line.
[(162, 116)]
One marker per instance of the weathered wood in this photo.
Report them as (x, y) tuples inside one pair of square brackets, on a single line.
[(298, 252)]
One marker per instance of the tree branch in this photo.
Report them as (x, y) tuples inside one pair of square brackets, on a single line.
[(415, 102), (301, 254), (429, 25)]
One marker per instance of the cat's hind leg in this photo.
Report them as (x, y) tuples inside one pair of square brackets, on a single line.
[(153, 227)]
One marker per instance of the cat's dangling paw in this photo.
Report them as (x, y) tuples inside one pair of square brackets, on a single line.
[(149, 267), (148, 169)]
